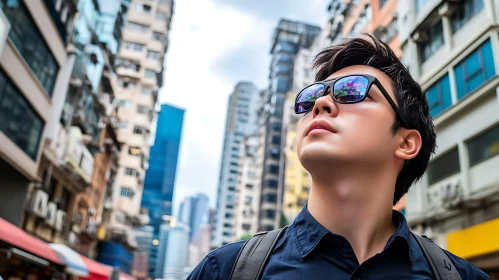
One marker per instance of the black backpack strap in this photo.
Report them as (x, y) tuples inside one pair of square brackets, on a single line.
[(254, 254), (440, 264)]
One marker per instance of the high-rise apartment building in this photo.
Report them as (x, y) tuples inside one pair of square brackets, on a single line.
[(248, 189), (160, 177), (139, 69), (241, 121), (452, 50), (288, 38)]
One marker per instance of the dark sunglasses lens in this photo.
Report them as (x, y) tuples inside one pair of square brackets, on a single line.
[(307, 97), (350, 89)]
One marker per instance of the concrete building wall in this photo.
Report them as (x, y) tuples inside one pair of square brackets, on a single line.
[(460, 188)]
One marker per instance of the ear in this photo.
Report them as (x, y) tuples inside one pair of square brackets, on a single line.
[(409, 144)]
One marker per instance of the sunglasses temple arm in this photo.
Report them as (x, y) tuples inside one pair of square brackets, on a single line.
[(394, 106)]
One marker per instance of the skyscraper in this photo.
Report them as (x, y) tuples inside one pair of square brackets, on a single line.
[(160, 177), (288, 38), (194, 212), (242, 120)]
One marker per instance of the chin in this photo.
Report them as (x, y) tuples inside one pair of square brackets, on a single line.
[(314, 153)]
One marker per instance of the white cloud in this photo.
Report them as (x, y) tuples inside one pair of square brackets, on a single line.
[(201, 32)]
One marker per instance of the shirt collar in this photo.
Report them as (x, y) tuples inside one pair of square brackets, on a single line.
[(308, 233)]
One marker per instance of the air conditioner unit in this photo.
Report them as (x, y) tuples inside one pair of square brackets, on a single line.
[(91, 211), (50, 217), (38, 205), (59, 221)]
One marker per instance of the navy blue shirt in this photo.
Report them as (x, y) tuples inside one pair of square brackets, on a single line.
[(307, 250)]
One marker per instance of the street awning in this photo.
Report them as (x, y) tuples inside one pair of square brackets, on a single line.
[(75, 264), (481, 239), (124, 276), (96, 270), (16, 237)]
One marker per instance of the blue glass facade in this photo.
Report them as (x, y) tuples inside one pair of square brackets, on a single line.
[(160, 176), (116, 255)]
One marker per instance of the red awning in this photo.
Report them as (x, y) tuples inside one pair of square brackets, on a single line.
[(96, 270), (15, 236)]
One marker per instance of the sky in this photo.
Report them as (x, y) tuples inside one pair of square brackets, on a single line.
[(213, 45)]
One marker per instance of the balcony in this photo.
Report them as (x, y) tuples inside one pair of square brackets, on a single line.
[(78, 160)]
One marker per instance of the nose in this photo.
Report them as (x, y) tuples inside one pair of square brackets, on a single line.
[(325, 105)]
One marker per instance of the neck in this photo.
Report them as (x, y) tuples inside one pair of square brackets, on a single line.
[(358, 208)]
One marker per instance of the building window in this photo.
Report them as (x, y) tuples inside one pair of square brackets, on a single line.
[(434, 41), (249, 186), (158, 36), (484, 146), (143, 8), (439, 96), (134, 46), (137, 27), (126, 192), (269, 214), (276, 140), (474, 70), (270, 197), (122, 103), (139, 130), (18, 120), (234, 172), (267, 228), (135, 151), (127, 83), (227, 225), (146, 90), (274, 169), (464, 12), (444, 166), (28, 40), (228, 215), (161, 16), (150, 73), (141, 109), (153, 55), (271, 183), (275, 153), (131, 171), (123, 124), (382, 3), (226, 233), (246, 227), (228, 206)]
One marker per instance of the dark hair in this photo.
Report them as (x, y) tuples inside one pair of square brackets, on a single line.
[(368, 50)]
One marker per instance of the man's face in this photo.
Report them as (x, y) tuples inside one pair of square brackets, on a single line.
[(361, 131)]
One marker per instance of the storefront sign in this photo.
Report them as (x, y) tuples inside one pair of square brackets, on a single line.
[(474, 241)]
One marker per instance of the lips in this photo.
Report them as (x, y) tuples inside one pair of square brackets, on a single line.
[(321, 124)]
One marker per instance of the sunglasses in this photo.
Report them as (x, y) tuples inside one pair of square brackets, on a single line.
[(344, 90)]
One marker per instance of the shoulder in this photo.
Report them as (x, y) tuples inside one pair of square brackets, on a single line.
[(218, 263), (466, 269)]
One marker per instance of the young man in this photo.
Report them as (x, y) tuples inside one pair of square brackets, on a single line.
[(365, 137)]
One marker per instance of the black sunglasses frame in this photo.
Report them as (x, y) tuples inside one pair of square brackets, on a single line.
[(329, 84)]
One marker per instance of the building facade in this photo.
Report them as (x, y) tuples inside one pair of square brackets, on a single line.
[(139, 69), (32, 80), (160, 177), (451, 48), (248, 189), (241, 121), (177, 238), (288, 38)]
